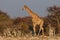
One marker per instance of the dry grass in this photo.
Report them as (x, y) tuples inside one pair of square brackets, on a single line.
[(30, 38)]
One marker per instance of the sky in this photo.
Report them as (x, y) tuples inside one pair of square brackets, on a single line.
[(13, 7)]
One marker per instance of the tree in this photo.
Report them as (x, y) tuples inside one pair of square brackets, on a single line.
[(54, 15)]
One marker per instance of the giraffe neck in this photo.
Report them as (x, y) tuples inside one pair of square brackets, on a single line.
[(30, 11)]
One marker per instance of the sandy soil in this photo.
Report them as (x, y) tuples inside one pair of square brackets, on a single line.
[(31, 38)]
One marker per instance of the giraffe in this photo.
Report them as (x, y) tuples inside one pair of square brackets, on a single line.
[(36, 20)]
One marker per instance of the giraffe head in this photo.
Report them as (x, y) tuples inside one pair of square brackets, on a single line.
[(24, 7)]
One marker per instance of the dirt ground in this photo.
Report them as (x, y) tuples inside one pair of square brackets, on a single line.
[(31, 38)]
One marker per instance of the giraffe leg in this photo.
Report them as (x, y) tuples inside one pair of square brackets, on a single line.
[(41, 29), (34, 29)]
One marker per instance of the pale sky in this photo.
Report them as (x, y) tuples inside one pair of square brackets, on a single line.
[(13, 7)]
